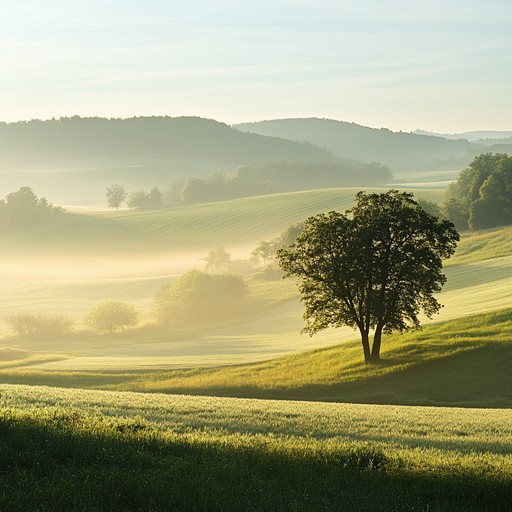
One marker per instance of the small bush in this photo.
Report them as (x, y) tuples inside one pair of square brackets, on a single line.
[(30, 324)]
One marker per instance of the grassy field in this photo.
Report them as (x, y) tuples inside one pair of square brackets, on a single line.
[(464, 362), (91, 450)]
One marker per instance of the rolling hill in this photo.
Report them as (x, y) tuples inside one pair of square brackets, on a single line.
[(181, 228), (479, 281), (402, 152)]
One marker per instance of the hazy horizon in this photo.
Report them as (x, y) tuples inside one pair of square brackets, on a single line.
[(437, 66)]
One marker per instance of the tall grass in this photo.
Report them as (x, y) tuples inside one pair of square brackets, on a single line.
[(90, 450)]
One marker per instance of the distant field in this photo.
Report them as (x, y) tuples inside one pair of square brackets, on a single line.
[(237, 224), (77, 449)]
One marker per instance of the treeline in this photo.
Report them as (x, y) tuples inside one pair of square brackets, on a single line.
[(23, 208), (249, 181), (280, 177)]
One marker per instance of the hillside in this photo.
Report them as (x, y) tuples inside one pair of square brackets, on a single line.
[(423, 367), (76, 158), (465, 362), (402, 152), (181, 228)]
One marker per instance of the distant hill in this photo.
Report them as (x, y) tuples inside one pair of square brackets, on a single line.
[(136, 152), (400, 151), (476, 136)]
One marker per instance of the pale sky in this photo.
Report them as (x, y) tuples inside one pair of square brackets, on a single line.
[(438, 65)]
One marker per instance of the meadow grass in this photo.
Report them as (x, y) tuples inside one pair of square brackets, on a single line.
[(463, 362), (83, 450), (483, 245)]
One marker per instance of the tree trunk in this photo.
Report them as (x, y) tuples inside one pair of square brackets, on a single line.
[(377, 338), (366, 347)]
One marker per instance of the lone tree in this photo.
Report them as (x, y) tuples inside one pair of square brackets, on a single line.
[(116, 195), (373, 268), (112, 316), (217, 259)]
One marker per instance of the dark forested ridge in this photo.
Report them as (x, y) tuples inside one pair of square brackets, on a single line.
[(398, 150), (75, 138)]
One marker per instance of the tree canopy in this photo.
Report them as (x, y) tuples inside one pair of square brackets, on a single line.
[(375, 267), (112, 316), (217, 260), (24, 208), (482, 195), (116, 195), (197, 297)]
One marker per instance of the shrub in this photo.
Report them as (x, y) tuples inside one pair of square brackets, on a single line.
[(29, 324), (199, 297)]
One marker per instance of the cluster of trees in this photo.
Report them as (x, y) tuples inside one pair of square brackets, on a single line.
[(263, 256), (30, 324), (280, 177), (482, 195), (195, 298), (24, 208), (266, 251), (252, 181), (116, 196)]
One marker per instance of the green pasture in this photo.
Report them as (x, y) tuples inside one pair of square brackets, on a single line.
[(462, 362), (98, 450), (183, 228)]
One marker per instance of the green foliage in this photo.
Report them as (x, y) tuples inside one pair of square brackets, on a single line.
[(482, 194), (111, 316), (116, 195), (29, 324), (199, 298), (375, 267), (23, 208)]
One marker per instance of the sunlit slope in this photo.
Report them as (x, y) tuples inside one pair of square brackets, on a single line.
[(477, 283), (466, 362), (483, 245), (182, 228)]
